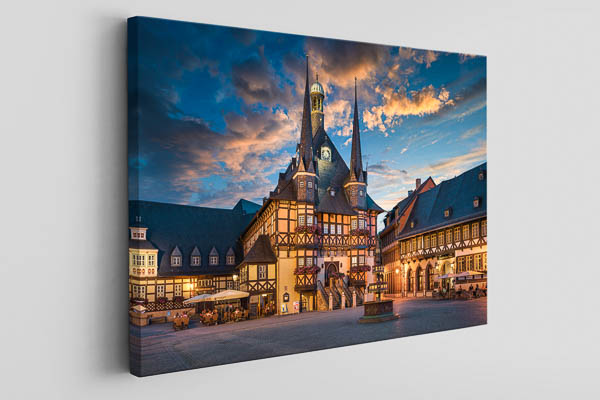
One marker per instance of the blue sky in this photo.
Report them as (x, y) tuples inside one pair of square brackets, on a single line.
[(216, 111)]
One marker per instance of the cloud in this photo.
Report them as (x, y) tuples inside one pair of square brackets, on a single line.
[(472, 132), (400, 103), (455, 165), (426, 57)]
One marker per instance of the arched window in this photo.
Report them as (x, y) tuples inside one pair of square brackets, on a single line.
[(419, 279), (409, 280), (429, 277)]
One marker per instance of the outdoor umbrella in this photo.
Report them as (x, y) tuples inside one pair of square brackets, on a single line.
[(227, 295), (197, 299)]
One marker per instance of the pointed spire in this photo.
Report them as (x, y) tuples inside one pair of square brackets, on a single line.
[(306, 142), (356, 155)]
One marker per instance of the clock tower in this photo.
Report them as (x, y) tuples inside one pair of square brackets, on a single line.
[(317, 95)]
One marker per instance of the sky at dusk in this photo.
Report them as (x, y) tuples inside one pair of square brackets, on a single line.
[(217, 111)]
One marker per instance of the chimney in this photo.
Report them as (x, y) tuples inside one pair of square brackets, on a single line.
[(418, 183)]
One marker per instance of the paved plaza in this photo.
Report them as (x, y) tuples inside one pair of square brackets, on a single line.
[(165, 350)]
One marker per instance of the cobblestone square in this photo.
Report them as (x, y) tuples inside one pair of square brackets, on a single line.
[(165, 350)]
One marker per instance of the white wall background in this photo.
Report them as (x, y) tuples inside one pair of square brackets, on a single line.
[(63, 205)]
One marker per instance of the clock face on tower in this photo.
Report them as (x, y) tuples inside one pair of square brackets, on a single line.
[(325, 153)]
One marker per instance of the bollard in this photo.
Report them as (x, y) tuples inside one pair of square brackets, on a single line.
[(354, 298), (343, 300), (330, 303)]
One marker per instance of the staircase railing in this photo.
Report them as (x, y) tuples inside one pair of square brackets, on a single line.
[(337, 300), (322, 292), (342, 287)]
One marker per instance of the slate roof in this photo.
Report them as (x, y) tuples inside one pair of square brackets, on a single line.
[(186, 227), (261, 252), (458, 194), (335, 204)]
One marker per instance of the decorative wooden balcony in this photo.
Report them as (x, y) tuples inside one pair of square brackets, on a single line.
[(306, 282)]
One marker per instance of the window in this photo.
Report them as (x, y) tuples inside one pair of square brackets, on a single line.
[(361, 193), (309, 220), (262, 272), (229, 285), (476, 202), (484, 228), (175, 261), (354, 260), (138, 259), (440, 238), (353, 224), (403, 247), (477, 262), (325, 229), (361, 224), (160, 291), (475, 230), (139, 292), (178, 289), (332, 192), (309, 184), (195, 261), (484, 262), (427, 242), (301, 261), (413, 245), (465, 232), (430, 277), (230, 260), (457, 234), (412, 224), (481, 175), (469, 262), (214, 260), (339, 229), (433, 240), (300, 219), (151, 260), (449, 236), (361, 260), (461, 264), (419, 242), (301, 184), (447, 212)]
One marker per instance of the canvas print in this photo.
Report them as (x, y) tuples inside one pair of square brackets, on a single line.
[(291, 193)]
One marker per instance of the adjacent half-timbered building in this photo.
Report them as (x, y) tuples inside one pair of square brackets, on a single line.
[(177, 252), (437, 230), (258, 276), (319, 220)]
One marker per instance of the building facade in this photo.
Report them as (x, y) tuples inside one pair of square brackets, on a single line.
[(319, 221), (436, 230), (177, 252)]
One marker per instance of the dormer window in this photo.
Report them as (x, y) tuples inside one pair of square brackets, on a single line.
[(176, 257), (138, 233), (476, 201), (196, 257), (301, 184), (413, 223), (213, 257), (448, 212), (230, 258), (481, 175), (309, 184)]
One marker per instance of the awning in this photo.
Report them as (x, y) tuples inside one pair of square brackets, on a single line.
[(139, 308), (227, 295), (197, 299)]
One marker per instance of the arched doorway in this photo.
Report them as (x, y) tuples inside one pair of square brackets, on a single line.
[(419, 275), (330, 268), (429, 276), (409, 281)]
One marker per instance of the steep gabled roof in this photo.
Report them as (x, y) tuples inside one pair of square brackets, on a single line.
[(189, 227), (261, 252), (457, 194), (336, 204)]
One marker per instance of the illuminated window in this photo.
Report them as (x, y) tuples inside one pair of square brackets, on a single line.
[(151, 260), (476, 202), (301, 220), (449, 236), (457, 234), (403, 247), (427, 244), (361, 193), (477, 262), (361, 224), (469, 262), (178, 289), (433, 240), (354, 260), (325, 229), (465, 232), (229, 285), (413, 245), (475, 230), (461, 264), (301, 261), (309, 184), (440, 238), (353, 222), (361, 260), (309, 219), (447, 212), (484, 262), (139, 259), (484, 228), (339, 229), (160, 291)]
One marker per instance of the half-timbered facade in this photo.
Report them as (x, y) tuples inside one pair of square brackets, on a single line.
[(436, 230), (319, 220), (177, 252)]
